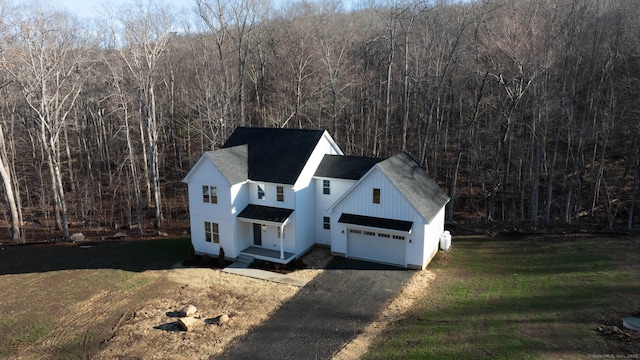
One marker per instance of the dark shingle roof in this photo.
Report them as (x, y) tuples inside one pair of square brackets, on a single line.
[(275, 155), (380, 223), (414, 183), (266, 213), (232, 162), (345, 167)]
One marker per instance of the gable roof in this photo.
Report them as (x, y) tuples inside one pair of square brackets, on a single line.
[(232, 162), (275, 155), (418, 188), (345, 167)]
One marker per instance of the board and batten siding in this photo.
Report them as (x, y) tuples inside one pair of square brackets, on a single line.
[(432, 233), (393, 205), (323, 201), (305, 195), (359, 200), (206, 173)]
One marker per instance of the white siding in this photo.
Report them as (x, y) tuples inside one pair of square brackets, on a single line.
[(305, 197), (323, 202), (239, 200), (432, 234), (393, 204), (420, 243), (270, 198), (206, 173)]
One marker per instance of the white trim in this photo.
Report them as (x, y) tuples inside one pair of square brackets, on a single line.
[(346, 193)]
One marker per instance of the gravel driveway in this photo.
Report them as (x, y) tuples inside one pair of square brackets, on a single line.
[(324, 315)]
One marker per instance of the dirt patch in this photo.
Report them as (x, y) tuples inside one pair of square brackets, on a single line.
[(152, 332), (133, 314), (619, 337)]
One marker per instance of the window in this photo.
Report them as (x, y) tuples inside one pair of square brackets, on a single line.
[(369, 233), (326, 222), (209, 194), (326, 187), (376, 196), (279, 234), (384, 235), (261, 194), (354, 231), (211, 232), (398, 237), (279, 193)]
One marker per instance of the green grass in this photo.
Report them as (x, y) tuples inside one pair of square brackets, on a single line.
[(528, 299)]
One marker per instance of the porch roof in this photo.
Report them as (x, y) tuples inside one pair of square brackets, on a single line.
[(266, 213), (376, 222)]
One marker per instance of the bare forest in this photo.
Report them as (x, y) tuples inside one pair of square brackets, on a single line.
[(527, 112)]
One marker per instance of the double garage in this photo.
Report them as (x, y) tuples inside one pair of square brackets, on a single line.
[(376, 239), (376, 246)]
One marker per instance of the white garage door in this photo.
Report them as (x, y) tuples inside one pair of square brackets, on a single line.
[(376, 246)]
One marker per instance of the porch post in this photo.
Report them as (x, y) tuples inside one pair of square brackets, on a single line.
[(281, 242)]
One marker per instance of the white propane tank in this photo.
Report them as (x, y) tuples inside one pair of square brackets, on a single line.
[(445, 240)]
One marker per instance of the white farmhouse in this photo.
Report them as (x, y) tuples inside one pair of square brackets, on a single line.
[(273, 194)]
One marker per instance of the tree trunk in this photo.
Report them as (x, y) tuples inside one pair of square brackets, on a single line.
[(9, 194)]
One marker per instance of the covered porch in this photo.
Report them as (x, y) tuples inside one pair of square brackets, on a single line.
[(268, 255), (268, 225)]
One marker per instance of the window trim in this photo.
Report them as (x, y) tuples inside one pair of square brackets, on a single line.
[(209, 194), (326, 222), (326, 187), (211, 232), (280, 193), (376, 195)]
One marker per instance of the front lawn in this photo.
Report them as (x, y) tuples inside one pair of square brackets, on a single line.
[(74, 294), (535, 297)]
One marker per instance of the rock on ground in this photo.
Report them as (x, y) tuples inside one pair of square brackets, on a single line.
[(188, 310), (77, 237), (187, 323)]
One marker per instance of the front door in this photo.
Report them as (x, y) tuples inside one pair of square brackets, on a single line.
[(257, 234)]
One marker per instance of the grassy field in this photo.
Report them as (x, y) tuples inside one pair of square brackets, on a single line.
[(81, 293), (529, 298), (526, 298)]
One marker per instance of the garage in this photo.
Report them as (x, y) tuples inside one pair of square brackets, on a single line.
[(376, 246)]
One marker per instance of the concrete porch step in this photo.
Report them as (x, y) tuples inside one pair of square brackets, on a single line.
[(242, 262)]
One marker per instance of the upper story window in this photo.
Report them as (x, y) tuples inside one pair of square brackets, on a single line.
[(376, 196), (209, 194), (326, 187), (326, 222), (261, 194), (279, 193)]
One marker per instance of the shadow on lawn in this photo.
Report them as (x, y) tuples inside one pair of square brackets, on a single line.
[(130, 255), (535, 299)]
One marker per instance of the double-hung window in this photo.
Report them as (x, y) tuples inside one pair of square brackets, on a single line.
[(211, 232), (261, 194), (326, 222), (376, 196), (209, 194), (280, 193), (326, 187)]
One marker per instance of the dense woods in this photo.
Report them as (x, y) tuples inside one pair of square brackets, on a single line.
[(527, 112)]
